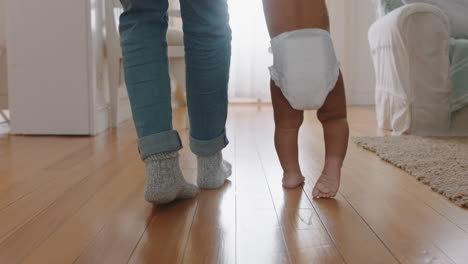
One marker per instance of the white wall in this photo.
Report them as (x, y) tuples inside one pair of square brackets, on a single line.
[(2, 22), (350, 21)]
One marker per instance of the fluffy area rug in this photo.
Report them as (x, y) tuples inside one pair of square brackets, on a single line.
[(441, 163)]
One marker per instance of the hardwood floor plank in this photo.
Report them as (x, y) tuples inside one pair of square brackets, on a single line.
[(367, 127), (80, 200), (31, 235), (465, 227), (323, 255), (212, 237), (306, 238), (262, 245), (22, 173), (88, 220), (415, 216), (53, 161), (344, 236), (399, 214), (165, 238), (260, 237), (59, 181), (119, 237), (213, 232), (455, 249), (402, 218)]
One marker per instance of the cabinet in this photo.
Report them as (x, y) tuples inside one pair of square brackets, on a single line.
[(56, 67)]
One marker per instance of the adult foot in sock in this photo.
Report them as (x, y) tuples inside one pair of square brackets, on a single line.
[(165, 182), (212, 171), (292, 181), (329, 182)]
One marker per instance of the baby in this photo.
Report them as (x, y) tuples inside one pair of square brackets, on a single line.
[(290, 16)]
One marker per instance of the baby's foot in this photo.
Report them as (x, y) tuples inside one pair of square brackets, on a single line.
[(329, 182), (292, 181)]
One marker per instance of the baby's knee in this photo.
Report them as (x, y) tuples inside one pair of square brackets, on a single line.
[(289, 121), (330, 115)]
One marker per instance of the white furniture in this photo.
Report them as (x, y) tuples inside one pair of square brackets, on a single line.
[(119, 101), (55, 67), (410, 50), (176, 53), (60, 79)]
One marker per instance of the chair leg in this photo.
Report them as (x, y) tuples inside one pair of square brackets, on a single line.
[(114, 76), (187, 120), (4, 117), (177, 67)]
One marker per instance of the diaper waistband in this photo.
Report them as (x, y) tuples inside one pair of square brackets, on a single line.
[(300, 32)]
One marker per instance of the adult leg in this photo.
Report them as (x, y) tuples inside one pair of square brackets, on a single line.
[(143, 27), (207, 38)]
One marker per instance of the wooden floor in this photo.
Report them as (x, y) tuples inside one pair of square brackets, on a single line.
[(80, 200)]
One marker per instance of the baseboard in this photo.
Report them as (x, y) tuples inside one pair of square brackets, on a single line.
[(352, 99), (240, 100)]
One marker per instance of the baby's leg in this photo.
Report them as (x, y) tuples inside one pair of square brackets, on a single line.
[(332, 115), (283, 16), (289, 15), (287, 124)]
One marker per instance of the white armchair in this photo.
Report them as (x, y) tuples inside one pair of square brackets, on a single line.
[(410, 50)]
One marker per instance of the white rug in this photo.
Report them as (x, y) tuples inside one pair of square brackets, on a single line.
[(441, 163)]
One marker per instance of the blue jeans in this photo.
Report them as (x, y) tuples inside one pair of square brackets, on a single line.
[(207, 40)]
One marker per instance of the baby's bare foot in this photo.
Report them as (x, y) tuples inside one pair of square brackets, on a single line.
[(329, 182), (292, 181)]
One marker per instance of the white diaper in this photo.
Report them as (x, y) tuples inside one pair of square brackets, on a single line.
[(305, 67)]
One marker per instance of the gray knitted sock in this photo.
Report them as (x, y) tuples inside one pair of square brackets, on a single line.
[(212, 171), (165, 182)]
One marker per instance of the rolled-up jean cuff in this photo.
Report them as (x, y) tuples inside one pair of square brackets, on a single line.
[(208, 147), (157, 143)]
